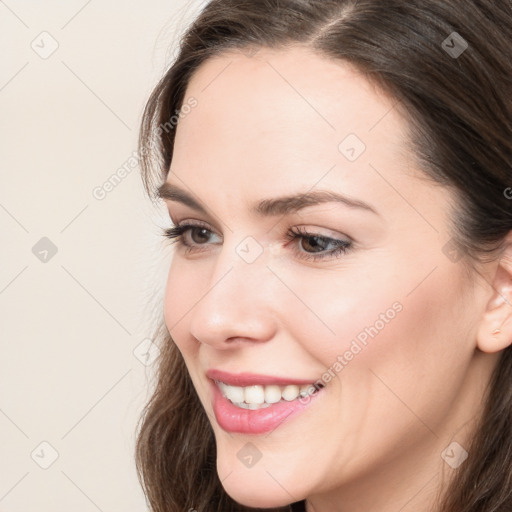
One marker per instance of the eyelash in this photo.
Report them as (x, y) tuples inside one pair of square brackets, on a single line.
[(175, 234)]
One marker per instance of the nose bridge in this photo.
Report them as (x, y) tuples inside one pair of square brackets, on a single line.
[(244, 266), (237, 299)]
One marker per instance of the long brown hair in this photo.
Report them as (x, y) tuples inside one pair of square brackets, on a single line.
[(459, 105)]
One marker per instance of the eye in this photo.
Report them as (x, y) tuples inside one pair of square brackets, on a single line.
[(312, 246), (315, 246), (180, 234)]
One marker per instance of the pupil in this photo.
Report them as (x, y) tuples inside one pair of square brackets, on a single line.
[(203, 233), (315, 244)]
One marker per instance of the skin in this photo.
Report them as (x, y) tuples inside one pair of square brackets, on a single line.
[(372, 441)]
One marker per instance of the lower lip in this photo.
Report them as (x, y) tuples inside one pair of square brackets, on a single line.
[(254, 421)]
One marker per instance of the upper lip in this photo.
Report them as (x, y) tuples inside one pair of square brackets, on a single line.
[(252, 379)]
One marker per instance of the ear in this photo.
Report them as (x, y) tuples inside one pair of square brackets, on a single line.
[(495, 329)]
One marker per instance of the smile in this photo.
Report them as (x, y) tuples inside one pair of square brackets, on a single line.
[(259, 397), (256, 404)]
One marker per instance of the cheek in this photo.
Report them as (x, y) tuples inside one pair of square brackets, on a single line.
[(405, 372), (388, 304), (180, 295), (342, 310), (392, 343)]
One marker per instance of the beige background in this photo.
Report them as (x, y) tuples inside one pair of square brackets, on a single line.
[(73, 323)]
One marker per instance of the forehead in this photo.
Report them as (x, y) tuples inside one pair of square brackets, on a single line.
[(284, 117), (276, 89)]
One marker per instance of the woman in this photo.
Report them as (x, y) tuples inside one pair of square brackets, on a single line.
[(337, 321)]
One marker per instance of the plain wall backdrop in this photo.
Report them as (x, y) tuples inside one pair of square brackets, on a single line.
[(82, 263)]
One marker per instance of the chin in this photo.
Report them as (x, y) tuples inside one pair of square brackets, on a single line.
[(255, 487), (250, 495)]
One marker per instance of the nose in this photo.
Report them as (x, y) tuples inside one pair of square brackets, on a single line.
[(237, 303)]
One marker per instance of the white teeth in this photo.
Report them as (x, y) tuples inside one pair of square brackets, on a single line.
[(234, 393), (258, 397), (272, 394), (254, 395), (290, 392), (224, 388)]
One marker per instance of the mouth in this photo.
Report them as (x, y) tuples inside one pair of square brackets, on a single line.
[(259, 397), (255, 404)]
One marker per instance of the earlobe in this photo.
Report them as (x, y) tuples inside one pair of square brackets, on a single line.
[(495, 329)]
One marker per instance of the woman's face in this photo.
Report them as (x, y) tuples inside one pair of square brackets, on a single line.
[(369, 298)]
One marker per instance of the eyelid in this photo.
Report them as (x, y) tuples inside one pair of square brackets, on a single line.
[(191, 221), (320, 232), (289, 221), (194, 223), (308, 231), (305, 230)]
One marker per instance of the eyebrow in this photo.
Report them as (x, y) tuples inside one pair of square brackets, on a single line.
[(269, 207)]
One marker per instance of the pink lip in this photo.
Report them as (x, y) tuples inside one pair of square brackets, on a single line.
[(252, 379), (247, 421)]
